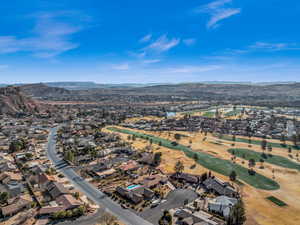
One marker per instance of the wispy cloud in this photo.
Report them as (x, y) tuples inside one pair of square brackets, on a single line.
[(146, 38), (217, 10), (153, 49), (194, 69), (273, 46), (264, 47), (162, 44), (151, 61), (189, 41), (121, 67), (51, 36)]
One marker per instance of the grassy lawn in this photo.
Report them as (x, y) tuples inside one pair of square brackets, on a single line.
[(258, 142), (209, 114), (210, 162), (272, 159), (276, 201), (233, 113)]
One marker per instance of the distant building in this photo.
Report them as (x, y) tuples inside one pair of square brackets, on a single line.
[(290, 128)]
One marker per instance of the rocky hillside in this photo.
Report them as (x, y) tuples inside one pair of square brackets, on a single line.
[(13, 102)]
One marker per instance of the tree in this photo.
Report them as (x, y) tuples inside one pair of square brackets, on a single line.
[(69, 156), (76, 195), (237, 214), (179, 167), (251, 164), (261, 163), (165, 219), (177, 136), (4, 197), (108, 219), (28, 155), (233, 175), (157, 158), (233, 138), (151, 141), (270, 148), (196, 157), (203, 177), (17, 145), (283, 139), (263, 144), (295, 139)]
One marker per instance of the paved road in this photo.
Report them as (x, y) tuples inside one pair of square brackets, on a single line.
[(127, 217)]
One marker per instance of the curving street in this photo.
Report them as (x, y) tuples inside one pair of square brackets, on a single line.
[(126, 216)]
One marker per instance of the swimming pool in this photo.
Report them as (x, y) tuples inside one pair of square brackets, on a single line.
[(134, 186)]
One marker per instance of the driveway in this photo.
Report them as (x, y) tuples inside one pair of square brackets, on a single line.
[(175, 199)]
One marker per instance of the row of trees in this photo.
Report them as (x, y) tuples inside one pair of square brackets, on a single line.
[(80, 211)]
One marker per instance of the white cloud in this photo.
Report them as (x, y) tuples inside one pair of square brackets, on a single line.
[(151, 61), (162, 44), (194, 69), (218, 11), (121, 67), (49, 37), (146, 38), (189, 41)]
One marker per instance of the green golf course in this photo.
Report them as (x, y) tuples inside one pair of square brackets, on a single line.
[(233, 113), (258, 142), (257, 156), (209, 114), (210, 162)]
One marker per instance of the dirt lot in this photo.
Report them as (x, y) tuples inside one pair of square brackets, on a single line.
[(259, 210)]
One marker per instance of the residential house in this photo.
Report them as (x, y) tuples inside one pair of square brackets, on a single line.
[(68, 201), (7, 177), (135, 195), (44, 180), (131, 165), (222, 205), (152, 181), (16, 205), (187, 217), (56, 189), (185, 178), (219, 187)]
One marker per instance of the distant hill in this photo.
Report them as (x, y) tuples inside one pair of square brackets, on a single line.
[(93, 85), (41, 90), (13, 101), (74, 85), (271, 94)]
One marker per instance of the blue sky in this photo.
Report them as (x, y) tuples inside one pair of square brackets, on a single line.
[(121, 41)]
